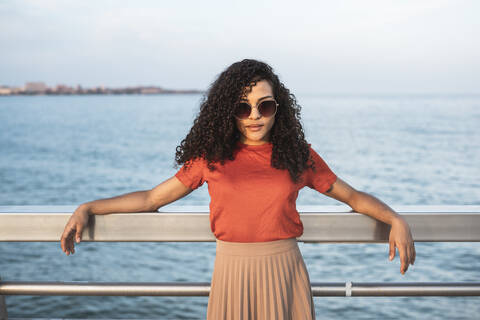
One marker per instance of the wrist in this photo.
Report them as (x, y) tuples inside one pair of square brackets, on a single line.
[(85, 207), (398, 219)]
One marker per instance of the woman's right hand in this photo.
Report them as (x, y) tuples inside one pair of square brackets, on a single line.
[(73, 229), (138, 201)]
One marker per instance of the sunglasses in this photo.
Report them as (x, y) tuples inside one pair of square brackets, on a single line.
[(266, 108)]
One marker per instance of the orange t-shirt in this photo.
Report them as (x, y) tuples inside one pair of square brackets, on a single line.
[(250, 201)]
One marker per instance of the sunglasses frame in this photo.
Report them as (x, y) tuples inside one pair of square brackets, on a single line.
[(256, 106)]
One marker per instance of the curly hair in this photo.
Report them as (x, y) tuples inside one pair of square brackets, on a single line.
[(214, 135)]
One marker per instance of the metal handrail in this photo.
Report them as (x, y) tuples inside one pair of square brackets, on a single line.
[(319, 289), (174, 223)]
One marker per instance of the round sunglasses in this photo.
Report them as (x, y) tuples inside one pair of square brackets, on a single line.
[(266, 108)]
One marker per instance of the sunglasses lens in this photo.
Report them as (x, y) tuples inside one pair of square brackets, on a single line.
[(267, 108), (242, 111)]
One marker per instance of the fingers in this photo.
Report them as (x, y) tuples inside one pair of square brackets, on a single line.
[(66, 241), (71, 243), (68, 245), (412, 253), (407, 256), (403, 259), (392, 250), (78, 235)]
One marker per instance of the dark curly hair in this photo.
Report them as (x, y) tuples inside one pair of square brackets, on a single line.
[(214, 135)]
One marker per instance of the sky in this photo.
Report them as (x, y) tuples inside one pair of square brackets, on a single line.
[(316, 47)]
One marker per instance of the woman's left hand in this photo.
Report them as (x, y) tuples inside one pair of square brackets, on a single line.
[(401, 238), (361, 202)]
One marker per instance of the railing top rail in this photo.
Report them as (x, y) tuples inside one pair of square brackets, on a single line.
[(402, 209), (191, 223)]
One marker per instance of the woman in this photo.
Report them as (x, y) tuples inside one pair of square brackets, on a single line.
[(248, 144)]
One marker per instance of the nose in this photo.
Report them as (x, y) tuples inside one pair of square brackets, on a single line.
[(255, 114)]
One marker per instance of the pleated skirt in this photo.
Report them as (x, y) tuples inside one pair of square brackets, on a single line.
[(260, 280)]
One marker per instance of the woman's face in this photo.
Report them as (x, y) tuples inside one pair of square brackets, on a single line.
[(255, 130)]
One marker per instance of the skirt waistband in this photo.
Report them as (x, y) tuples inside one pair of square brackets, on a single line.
[(255, 248)]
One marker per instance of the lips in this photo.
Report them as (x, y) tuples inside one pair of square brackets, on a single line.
[(255, 127)]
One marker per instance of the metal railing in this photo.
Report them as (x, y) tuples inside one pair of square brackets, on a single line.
[(322, 224)]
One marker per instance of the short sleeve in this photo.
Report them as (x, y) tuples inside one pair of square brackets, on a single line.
[(323, 177), (192, 173)]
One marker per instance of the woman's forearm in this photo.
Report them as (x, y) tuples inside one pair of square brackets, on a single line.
[(374, 207), (137, 201)]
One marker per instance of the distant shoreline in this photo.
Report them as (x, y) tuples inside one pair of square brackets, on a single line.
[(100, 94), (40, 88)]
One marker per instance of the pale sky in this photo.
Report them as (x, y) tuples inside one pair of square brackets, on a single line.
[(369, 46)]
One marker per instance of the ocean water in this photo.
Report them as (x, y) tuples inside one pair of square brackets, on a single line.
[(404, 149)]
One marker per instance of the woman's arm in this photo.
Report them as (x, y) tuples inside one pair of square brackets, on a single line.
[(361, 202), (138, 201)]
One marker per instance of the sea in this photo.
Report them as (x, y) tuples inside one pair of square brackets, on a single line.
[(405, 149)]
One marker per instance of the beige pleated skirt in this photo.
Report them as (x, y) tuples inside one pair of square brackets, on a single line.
[(260, 280)]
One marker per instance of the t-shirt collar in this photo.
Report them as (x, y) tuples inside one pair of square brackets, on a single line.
[(265, 146)]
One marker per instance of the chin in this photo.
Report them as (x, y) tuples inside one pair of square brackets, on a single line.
[(255, 139)]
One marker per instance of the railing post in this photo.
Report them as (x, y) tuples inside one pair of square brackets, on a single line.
[(3, 306)]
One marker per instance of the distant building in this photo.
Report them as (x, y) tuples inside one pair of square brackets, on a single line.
[(35, 87), (17, 90), (63, 89), (5, 91), (150, 90), (79, 89)]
